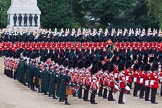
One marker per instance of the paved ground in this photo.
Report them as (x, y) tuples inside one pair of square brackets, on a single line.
[(15, 95)]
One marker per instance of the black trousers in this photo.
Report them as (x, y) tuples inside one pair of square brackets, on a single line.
[(80, 92), (92, 98), (147, 93), (110, 96), (86, 93), (136, 88), (142, 89), (100, 90), (15, 74), (105, 93), (5, 71), (130, 85), (54, 91), (161, 90), (153, 95), (121, 95)]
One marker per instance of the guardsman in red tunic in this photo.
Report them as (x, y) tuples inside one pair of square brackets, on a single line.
[(122, 83), (125, 46), (128, 74), (41, 46), (46, 46), (136, 79), (62, 46), (154, 83), (72, 46), (80, 82), (31, 45), (87, 84), (35, 46), (117, 44), (105, 85), (101, 77), (143, 46), (147, 81), (56, 46), (93, 88), (111, 83), (77, 46), (98, 45), (142, 82), (83, 46), (95, 46)]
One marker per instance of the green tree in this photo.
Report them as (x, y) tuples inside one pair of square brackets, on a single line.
[(4, 5), (111, 11), (56, 13), (155, 10), (79, 11)]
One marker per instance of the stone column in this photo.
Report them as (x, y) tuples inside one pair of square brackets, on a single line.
[(38, 21), (33, 23), (22, 20), (11, 20), (28, 20)]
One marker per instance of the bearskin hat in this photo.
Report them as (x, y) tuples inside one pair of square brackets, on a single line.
[(94, 70), (121, 67)]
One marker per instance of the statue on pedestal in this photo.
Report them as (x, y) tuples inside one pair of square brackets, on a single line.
[(23, 14), (30, 19), (15, 19), (25, 20), (36, 20), (20, 19)]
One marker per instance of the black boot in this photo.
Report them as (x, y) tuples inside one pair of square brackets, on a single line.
[(39, 91), (66, 102)]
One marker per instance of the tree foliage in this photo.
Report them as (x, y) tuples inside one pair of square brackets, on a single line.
[(4, 5), (155, 10), (56, 13)]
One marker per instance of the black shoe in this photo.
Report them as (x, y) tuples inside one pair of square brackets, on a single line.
[(154, 103), (94, 103), (121, 103), (87, 100), (55, 98), (104, 97), (147, 100), (61, 100), (67, 103), (141, 98), (130, 93), (111, 100), (49, 95), (136, 96)]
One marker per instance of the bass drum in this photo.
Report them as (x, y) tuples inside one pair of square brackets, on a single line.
[(127, 89), (116, 88)]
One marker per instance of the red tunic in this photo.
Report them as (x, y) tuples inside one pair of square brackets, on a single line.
[(154, 80), (147, 79), (122, 80)]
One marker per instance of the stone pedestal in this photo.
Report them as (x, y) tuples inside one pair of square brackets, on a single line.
[(23, 7)]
